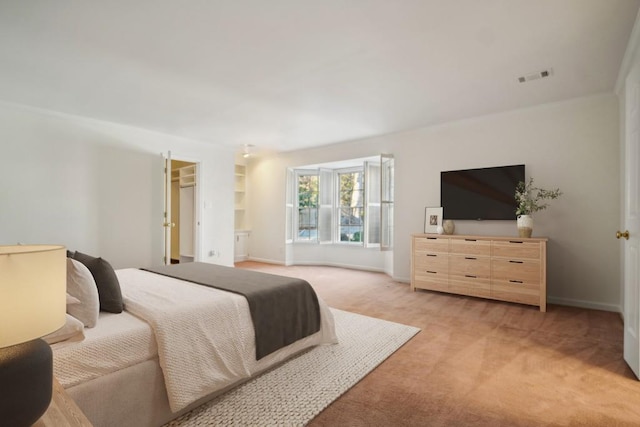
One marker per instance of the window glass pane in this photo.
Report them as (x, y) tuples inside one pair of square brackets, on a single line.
[(351, 189), (307, 223), (351, 206), (351, 224), (307, 207)]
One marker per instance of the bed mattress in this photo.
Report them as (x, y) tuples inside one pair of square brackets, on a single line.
[(117, 342)]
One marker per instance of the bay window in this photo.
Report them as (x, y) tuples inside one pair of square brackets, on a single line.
[(341, 203)]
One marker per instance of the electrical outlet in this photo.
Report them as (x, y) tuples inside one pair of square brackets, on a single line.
[(212, 253)]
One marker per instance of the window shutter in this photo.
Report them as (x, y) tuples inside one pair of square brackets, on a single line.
[(372, 202), (387, 166), (289, 197), (325, 196)]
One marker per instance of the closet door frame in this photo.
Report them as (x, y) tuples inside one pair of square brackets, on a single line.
[(197, 208)]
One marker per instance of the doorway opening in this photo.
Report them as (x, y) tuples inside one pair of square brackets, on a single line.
[(183, 211)]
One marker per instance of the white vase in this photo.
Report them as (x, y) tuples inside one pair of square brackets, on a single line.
[(525, 225)]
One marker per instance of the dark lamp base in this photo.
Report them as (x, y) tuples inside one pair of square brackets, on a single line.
[(26, 377)]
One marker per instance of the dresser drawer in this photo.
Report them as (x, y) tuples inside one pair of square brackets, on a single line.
[(431, 261), (515, 249), (469, 265), (473, 286), (470, 247), (515, 292), (516, 271), (470, 275), (432, 281), (431, 244)]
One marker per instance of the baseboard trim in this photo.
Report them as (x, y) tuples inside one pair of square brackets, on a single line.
[(340, 265), (401, 279), (316, 263), (584, 304), (265, 260)]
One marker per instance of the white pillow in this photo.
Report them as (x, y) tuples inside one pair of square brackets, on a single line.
[(80, 284), (72, 300), (73, 328)]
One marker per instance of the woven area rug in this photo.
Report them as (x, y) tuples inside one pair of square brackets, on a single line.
[(295, 392)]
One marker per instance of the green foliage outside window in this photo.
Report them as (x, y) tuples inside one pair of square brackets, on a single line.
[(351, 206), (308, 191)]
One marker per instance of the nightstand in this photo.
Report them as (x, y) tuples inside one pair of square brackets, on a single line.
[(63, 411)]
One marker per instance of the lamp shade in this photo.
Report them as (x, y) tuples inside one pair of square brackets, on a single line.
[(32, 292)]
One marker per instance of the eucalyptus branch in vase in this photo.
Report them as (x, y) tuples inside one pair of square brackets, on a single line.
[(531, 199)]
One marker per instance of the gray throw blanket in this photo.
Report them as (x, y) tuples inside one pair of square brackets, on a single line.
[(283, 309)]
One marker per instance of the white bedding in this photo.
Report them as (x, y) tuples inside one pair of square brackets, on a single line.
[(117, 342), (205, 336)]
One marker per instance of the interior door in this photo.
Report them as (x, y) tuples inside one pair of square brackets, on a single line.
[(631, 212), (167, 209)]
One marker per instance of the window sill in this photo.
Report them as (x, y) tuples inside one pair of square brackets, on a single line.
[(338, 244)]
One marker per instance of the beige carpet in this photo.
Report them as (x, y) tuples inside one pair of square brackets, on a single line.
[(295, 392), (479, 362)]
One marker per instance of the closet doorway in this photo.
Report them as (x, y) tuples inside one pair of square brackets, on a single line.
[(183, 211)]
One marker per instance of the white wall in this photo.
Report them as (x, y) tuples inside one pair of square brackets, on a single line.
[(338, 255), (572, 145), (97, 187)]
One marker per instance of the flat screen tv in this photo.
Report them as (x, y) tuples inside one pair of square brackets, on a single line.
[(480, 194)]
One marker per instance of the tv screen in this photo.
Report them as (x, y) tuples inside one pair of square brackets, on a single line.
[(479, 194)]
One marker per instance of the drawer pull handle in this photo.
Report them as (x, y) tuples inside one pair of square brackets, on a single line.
[(432, 255), (432, 238), (431, 272), (516, 241), (516, 281), (470, 240), (471, 276), (516, 262), (470, 257)]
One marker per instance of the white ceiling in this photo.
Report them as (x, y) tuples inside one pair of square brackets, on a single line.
[(288, 74)]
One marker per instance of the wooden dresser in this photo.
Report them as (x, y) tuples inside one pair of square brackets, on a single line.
[(502, 268)]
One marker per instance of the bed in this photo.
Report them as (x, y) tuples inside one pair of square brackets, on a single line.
[(176, 345)]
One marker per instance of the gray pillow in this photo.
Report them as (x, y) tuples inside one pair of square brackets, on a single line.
[(106, 280), (81, 285)]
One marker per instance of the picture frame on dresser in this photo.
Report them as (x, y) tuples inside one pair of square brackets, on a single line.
[(432, 219)]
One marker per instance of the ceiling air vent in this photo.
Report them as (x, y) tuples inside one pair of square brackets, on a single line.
[(537, 75)]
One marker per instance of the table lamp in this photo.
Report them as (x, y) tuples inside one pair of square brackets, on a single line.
[(32, 305)]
